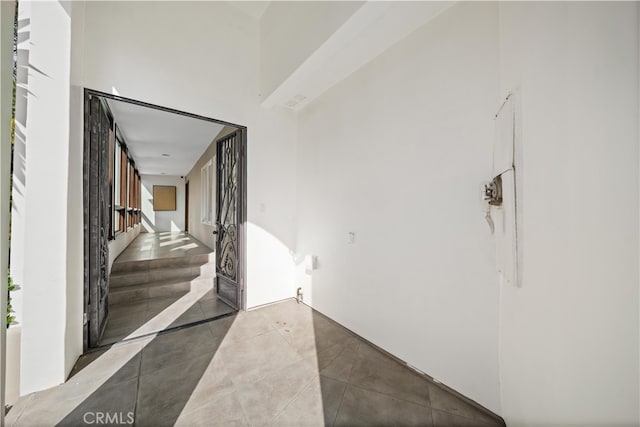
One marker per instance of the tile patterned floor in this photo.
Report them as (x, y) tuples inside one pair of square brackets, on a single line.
[(139, 318), (168, 250), (162, 245), (280, 365)]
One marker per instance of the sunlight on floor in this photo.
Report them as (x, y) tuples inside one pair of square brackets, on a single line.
[(173, 242), (185, 247), (169, 315)]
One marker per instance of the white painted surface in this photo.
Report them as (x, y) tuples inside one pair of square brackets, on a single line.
[(569, 336), (395, 153), (12, 372), (157, 221), (368, 32), (19, 189), (290, 32), (75, 197), (167, 53), (254, 9), (7, 10), (152, 134), (271, 156), (45, 272)]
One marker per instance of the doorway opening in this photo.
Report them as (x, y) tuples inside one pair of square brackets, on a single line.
[(164, 218)]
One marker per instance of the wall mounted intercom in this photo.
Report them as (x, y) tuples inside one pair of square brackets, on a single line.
[(493, 191)]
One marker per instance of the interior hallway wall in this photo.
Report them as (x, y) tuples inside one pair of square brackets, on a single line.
[(396, 153), (158, 221), (569, 336), (201, 231)]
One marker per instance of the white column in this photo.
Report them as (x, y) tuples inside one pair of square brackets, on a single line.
[(44, 284), (7, 10)]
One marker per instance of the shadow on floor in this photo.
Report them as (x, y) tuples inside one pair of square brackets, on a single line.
[(139, 318), (280, 365)]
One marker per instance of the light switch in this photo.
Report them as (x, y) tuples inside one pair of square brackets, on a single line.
[(263, 207), (351, 237)]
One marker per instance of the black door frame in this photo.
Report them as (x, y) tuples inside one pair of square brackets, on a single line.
[(242, 235)]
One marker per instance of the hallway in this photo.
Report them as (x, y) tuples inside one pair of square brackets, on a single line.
[(161, 281), (280, 365)]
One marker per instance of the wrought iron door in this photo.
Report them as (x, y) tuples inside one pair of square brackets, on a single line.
[(230, 216), (97, 220)]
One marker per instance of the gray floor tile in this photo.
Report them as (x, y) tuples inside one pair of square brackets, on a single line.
[(317, 336), (119, 363), (186, 386), (247, 325), (375, 371), (287, 313), (340, 367), (368, 408), (65, 405), (444, 401), (264, 399), (221, 410), (174, 347), (255, 358), (214, 307), (282, 365), (16, 409), (445, 419), (316, 405)]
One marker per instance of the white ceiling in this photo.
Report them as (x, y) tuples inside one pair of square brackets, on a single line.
[(150, 133), (372, 29), (255, 9)]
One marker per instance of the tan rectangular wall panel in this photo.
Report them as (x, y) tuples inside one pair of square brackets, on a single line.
[(164, 198)]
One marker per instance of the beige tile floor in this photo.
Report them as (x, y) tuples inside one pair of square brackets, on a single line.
[(281, 365)]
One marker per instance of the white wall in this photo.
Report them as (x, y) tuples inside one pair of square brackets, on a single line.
[(7, 11), (75, 195), (157, 221), (290, 31), (569, 336), (45, 241), (396, 153), (145, 59)]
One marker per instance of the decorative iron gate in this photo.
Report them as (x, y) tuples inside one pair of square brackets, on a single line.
[(230, 217), (96, 219)]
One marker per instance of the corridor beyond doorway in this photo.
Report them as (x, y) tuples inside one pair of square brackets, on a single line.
[(161, 281)]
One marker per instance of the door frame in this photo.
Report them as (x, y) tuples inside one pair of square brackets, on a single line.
[(186, 206), (242, 246)]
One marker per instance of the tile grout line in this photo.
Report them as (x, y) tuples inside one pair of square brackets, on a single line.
[(24, 408), (303, 389), (347, 386), (135, 405)]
